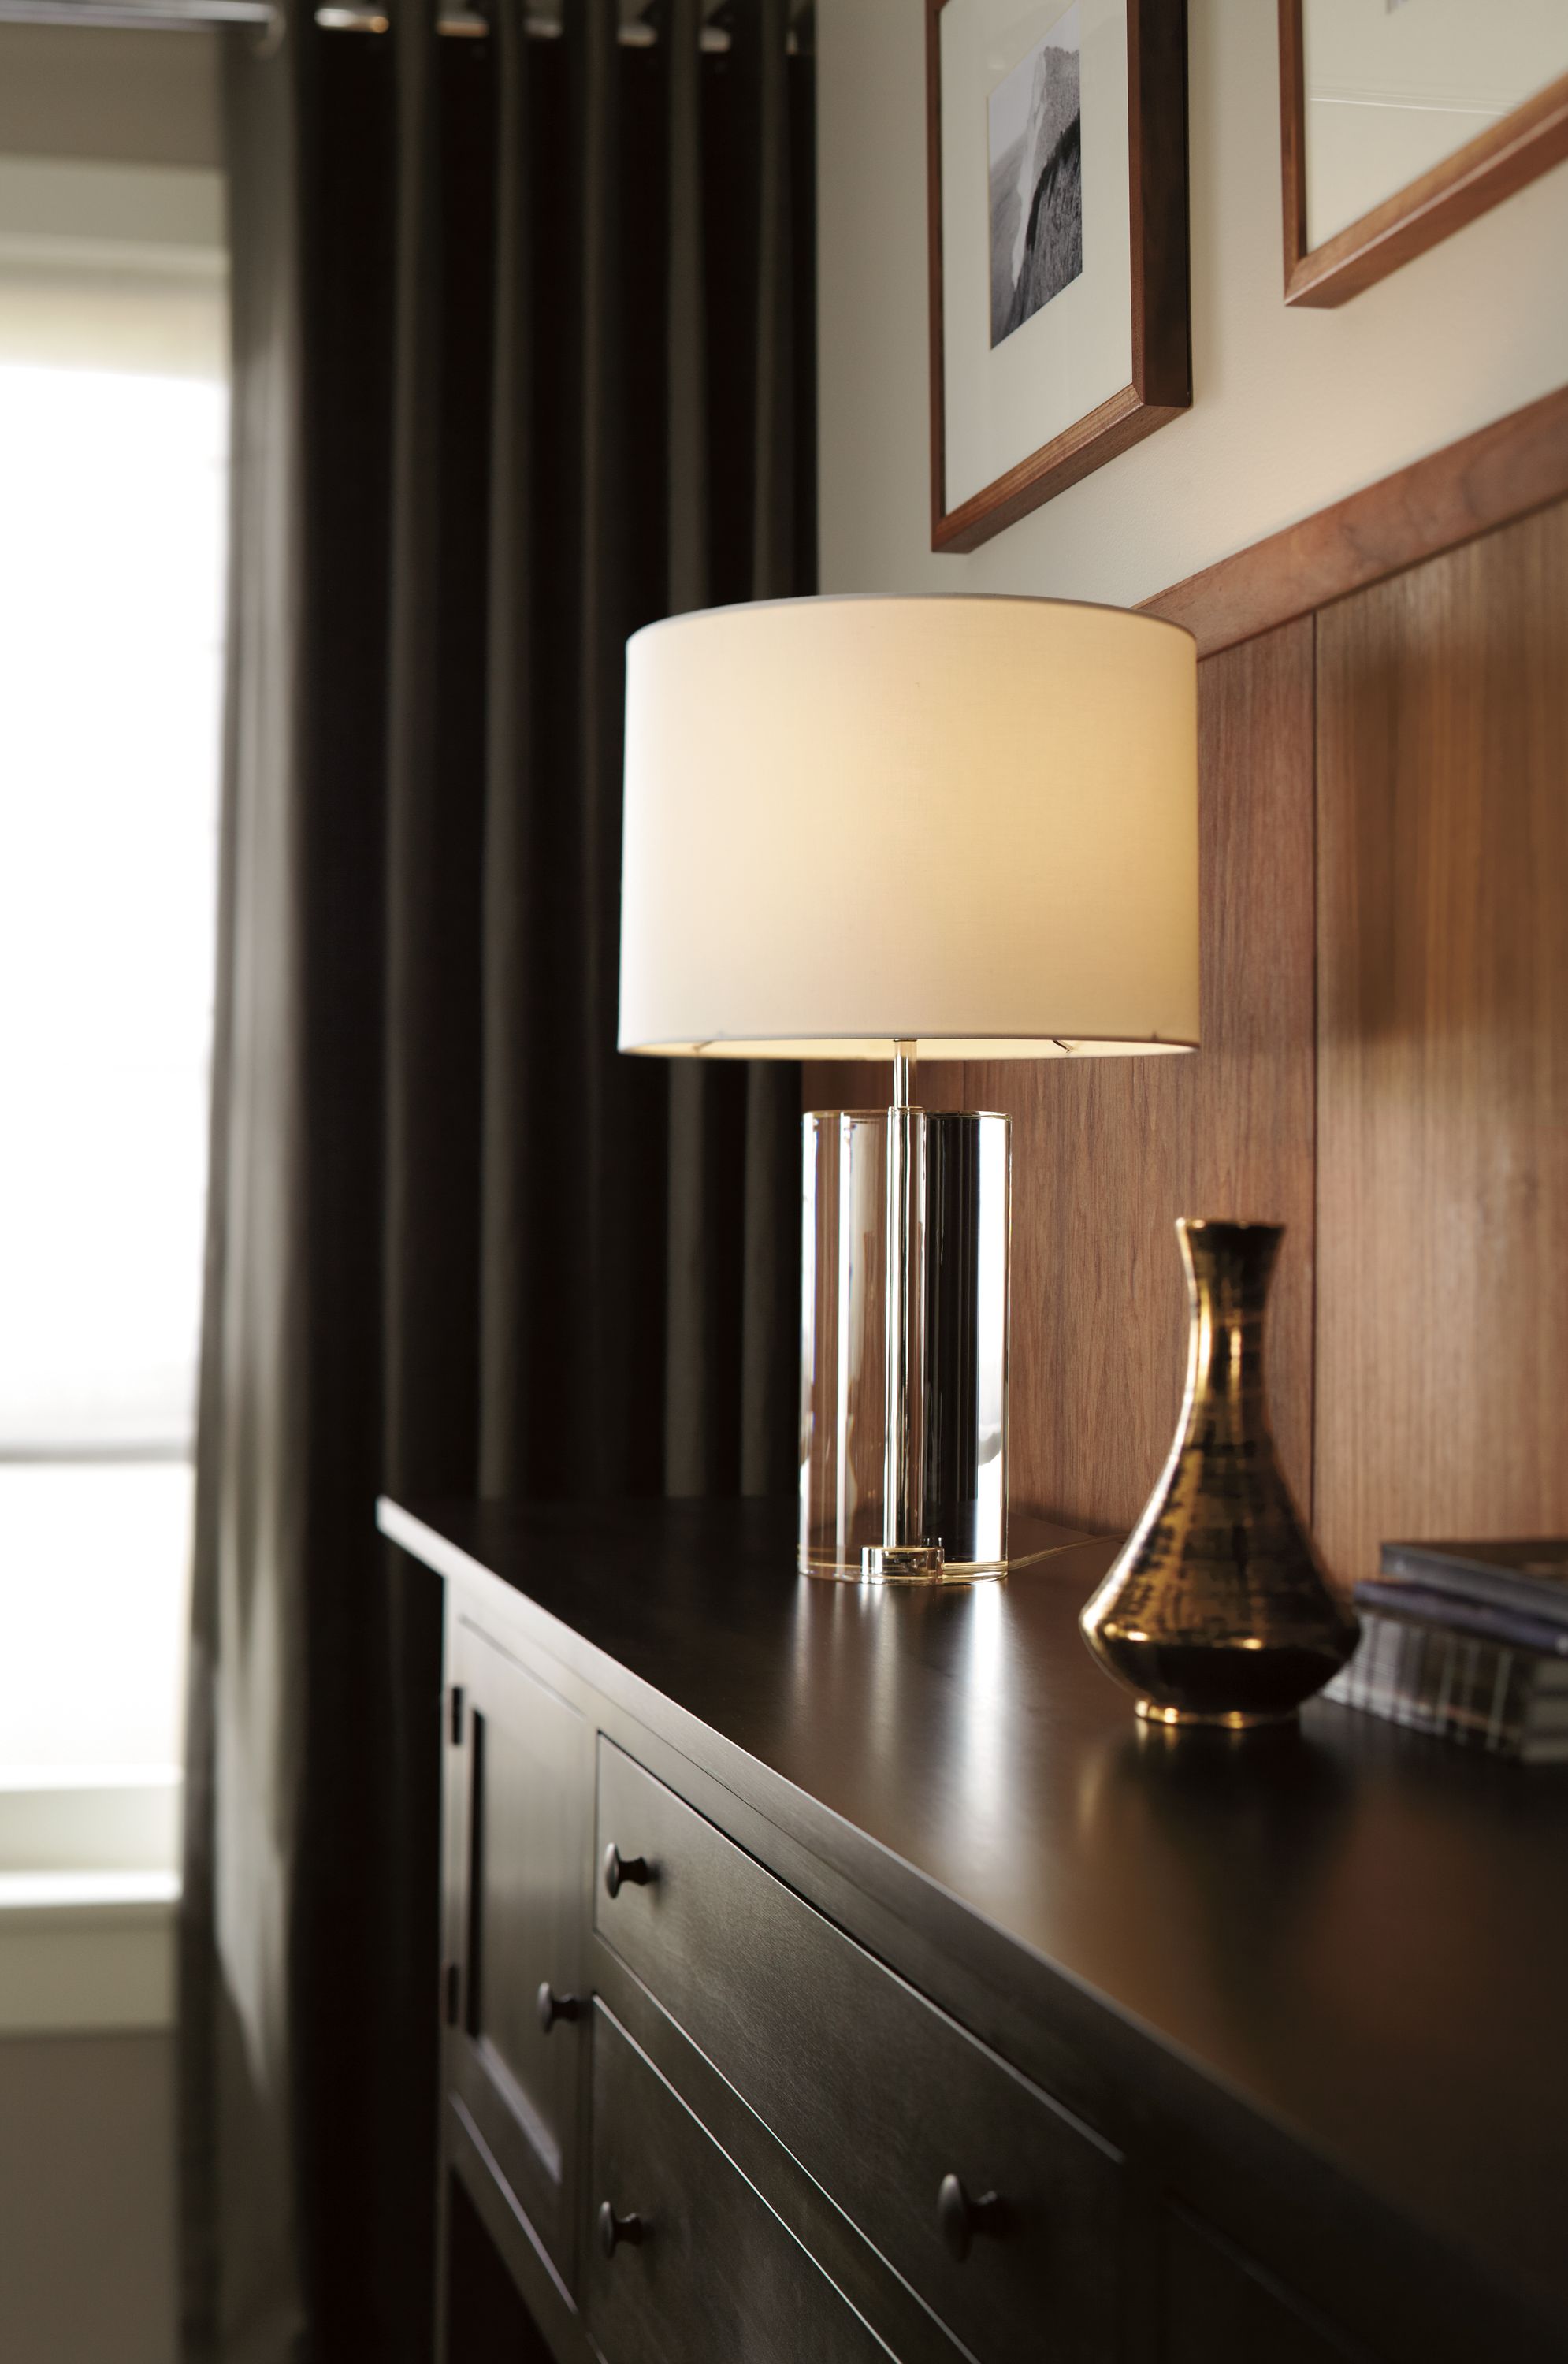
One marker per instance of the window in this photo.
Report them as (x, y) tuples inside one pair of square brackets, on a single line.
[(113, 455)]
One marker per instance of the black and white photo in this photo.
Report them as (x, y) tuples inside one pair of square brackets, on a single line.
[(1034, 153), (1057, 198)]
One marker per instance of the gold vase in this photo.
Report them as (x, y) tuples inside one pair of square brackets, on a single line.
[(1217, 1611)]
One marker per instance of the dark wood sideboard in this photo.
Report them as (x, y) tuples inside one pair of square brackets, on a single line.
[(834, 1973)]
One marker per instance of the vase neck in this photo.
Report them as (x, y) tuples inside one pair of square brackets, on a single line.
[(1228, 1267)]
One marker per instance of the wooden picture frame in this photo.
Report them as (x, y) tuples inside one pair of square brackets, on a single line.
[(1160, 388), (1524, 144)]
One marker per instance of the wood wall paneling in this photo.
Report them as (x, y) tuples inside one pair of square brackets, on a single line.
[(1443, 1337)]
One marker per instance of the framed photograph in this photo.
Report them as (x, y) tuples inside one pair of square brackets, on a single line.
[(1057, 193), (1401, 120)]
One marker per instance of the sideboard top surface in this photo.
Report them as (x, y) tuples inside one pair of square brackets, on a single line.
[(1361, 1933)]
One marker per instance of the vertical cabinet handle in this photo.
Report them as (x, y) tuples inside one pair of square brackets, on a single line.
[(635, 1870), (552, 2006), (614, 2230), (962, 2219)]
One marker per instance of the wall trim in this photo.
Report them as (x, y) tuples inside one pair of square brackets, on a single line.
[(1487, 479), (89, 1897), (87, 1952)]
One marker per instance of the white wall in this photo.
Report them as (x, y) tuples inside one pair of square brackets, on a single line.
[(112, 230), (86, 2200), (1292, 410), (117, 97)]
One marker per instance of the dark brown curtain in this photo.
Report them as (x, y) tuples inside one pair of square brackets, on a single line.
[(522, 359)]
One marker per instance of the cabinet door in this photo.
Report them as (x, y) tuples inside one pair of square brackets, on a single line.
[(522, 1766), (1222, 2309)]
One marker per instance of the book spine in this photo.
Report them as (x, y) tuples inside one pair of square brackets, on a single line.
[(1403, 1597), (1471, 1580)]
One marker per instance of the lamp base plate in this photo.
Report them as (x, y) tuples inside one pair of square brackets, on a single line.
[(1029, 1540), (901, 1563)]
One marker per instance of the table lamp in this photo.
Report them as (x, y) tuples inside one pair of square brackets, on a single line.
[(954, 827)]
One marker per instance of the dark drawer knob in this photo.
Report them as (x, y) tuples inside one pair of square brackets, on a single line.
[(635, 1870), (614, 2230), (962, 2219), (552, 2006)]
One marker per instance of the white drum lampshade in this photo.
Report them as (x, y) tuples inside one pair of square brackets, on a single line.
[(963, 826)]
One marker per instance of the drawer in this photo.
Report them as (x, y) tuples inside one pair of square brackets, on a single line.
[(710, 2275), (879, 2095)]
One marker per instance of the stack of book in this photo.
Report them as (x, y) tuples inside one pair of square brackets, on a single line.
[(1469, 1642)]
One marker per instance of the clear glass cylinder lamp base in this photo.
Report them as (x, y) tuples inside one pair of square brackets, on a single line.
[(964, 1395)]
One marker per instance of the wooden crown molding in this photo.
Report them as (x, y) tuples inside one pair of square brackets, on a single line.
[(1487, 479)]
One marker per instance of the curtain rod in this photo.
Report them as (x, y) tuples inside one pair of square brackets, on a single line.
[(468, 24), (164, 16), (188, 16)]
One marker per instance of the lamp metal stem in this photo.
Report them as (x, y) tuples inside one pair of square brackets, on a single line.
[(904, 1074), (904, 1550)]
